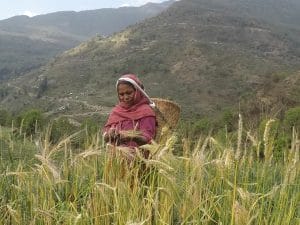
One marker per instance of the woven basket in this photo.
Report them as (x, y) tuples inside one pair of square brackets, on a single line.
[(167, 114)]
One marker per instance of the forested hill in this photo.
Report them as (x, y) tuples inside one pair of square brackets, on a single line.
[(205, 54), (26, 43)]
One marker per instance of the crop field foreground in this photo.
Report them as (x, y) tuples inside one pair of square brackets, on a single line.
[(199, 181)]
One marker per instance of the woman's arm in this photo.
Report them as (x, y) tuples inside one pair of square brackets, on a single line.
[(143, 135)]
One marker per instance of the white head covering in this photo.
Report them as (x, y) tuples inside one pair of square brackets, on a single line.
[(137, 86)]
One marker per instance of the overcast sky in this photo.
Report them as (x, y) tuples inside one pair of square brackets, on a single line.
[(11, 8)]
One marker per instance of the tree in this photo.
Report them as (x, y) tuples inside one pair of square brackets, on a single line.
[(42, 87)]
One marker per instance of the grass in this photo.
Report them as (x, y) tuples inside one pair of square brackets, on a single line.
[(210, 182)]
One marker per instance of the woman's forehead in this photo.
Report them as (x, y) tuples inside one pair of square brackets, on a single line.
[(125, 87), (125, 83)]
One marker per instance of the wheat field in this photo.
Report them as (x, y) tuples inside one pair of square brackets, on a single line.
[(209, 182)]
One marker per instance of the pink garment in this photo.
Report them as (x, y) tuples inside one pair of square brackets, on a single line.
[(146, 125), (140, 116), (140, 109)]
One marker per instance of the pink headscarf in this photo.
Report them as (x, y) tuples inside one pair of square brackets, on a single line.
[(138, 110)]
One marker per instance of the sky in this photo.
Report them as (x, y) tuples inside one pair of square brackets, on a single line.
[(30, 8)]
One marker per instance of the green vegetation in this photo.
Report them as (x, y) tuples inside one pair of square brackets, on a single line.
[(292, 117), (60, 129), (5, 118), (218, 168), (189, 179), (211, 59), (31, 121)]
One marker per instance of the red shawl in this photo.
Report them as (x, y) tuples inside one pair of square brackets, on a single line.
[(138, 110)]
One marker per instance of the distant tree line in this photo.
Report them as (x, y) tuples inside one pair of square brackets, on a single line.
[(32, 123)]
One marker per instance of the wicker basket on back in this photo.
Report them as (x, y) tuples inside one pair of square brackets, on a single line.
[(167, 115)]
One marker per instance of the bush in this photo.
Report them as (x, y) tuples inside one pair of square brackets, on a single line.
[(281, 144), (292, 118), (31, 121), (61, 128), (203, 125), (229, 119), (5, 117)]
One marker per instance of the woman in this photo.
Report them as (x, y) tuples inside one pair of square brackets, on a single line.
[(132, 121)]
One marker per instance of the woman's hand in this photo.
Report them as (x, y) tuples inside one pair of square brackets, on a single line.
[(112, 135), (132, 135), (123, 136)]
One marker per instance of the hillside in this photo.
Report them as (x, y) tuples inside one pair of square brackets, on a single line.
[(27, 43), (207, 55)]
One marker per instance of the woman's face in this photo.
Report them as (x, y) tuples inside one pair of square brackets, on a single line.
[(126, 94)]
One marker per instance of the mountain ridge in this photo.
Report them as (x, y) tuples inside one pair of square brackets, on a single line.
[(29, 42)]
